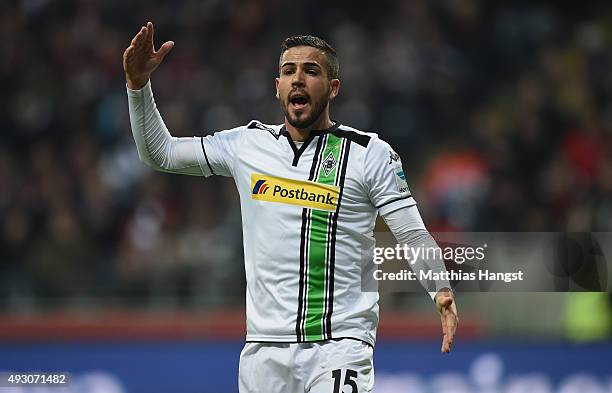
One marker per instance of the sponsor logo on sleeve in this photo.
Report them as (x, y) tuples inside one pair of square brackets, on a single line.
[(294, 192), (400, 180)]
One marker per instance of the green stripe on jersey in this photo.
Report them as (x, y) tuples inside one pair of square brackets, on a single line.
[(318, 240)]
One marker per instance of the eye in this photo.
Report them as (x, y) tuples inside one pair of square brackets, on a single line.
[(311, 72), (287, 71)]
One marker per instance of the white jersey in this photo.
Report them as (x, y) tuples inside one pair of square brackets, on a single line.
[(308, 216)]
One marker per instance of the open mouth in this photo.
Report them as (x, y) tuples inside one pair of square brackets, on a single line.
[(298, 101)]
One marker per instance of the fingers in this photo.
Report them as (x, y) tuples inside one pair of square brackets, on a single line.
[(150, 34), (447, 338), (145, 40), (444, 324), (445, 346), (148, 37), (136, 46), (140, 59), (450, 328), (447, 341), (139, 37), (449, 319), (454, 322)]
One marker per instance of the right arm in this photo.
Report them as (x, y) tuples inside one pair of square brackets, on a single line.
[(156, 147)]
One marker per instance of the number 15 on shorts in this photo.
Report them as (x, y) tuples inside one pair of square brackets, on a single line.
[(349, 380)]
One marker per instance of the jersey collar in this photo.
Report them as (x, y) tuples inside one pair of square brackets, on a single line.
[(332, 128), (298, 152)]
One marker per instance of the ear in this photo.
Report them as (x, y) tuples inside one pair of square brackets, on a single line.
[(276, 81), (335, 88)]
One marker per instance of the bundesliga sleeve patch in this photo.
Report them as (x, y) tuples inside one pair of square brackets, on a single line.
[(295, 192), (400, 180)]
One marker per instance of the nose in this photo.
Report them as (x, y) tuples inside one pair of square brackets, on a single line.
[(298, 78)]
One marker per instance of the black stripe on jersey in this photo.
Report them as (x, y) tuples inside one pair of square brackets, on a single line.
[(332, 260), (393, 200), (328, 258), (329, 255), (297, 153), (306, 272), (205, 155), (353, 136), (301, 296), (325, 329), (316, 158), (303, 250)]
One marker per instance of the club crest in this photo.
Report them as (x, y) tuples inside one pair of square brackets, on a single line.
[(329, 164)]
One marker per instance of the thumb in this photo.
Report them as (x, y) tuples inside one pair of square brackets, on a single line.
[(164, 49), (445, 301)]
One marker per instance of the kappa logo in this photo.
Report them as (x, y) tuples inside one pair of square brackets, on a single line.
[(329, 164), (261, 187), (260, 126), (393, 156)]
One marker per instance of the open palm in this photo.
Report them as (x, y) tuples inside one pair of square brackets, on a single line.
[(140, 59)]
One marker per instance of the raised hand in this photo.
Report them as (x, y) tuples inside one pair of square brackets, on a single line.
[(445, 303), (140, 59)]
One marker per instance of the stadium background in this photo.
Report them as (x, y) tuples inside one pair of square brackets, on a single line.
[(133, 280)]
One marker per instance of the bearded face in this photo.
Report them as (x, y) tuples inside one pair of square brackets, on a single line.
[(303, 89), (301, 109)]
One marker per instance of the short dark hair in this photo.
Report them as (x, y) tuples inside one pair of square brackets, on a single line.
[(315, 42)]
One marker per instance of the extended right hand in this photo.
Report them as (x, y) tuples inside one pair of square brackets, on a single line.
[(140, 59)]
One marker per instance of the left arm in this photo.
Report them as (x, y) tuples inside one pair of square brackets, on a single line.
[(408, 228), (387, 187)]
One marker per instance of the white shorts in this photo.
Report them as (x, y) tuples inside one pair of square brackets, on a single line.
[(333, 366)]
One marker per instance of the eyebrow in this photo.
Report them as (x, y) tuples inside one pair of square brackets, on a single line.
[(307, 64)]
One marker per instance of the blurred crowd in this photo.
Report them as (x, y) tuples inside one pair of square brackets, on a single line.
[(502, 114)]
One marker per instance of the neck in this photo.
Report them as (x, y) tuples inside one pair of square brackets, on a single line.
[(301, 134)]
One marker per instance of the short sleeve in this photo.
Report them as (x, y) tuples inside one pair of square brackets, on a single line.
[(385, 178), (220, 151)]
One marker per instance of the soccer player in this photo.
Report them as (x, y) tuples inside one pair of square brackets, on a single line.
[(310, 191)]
